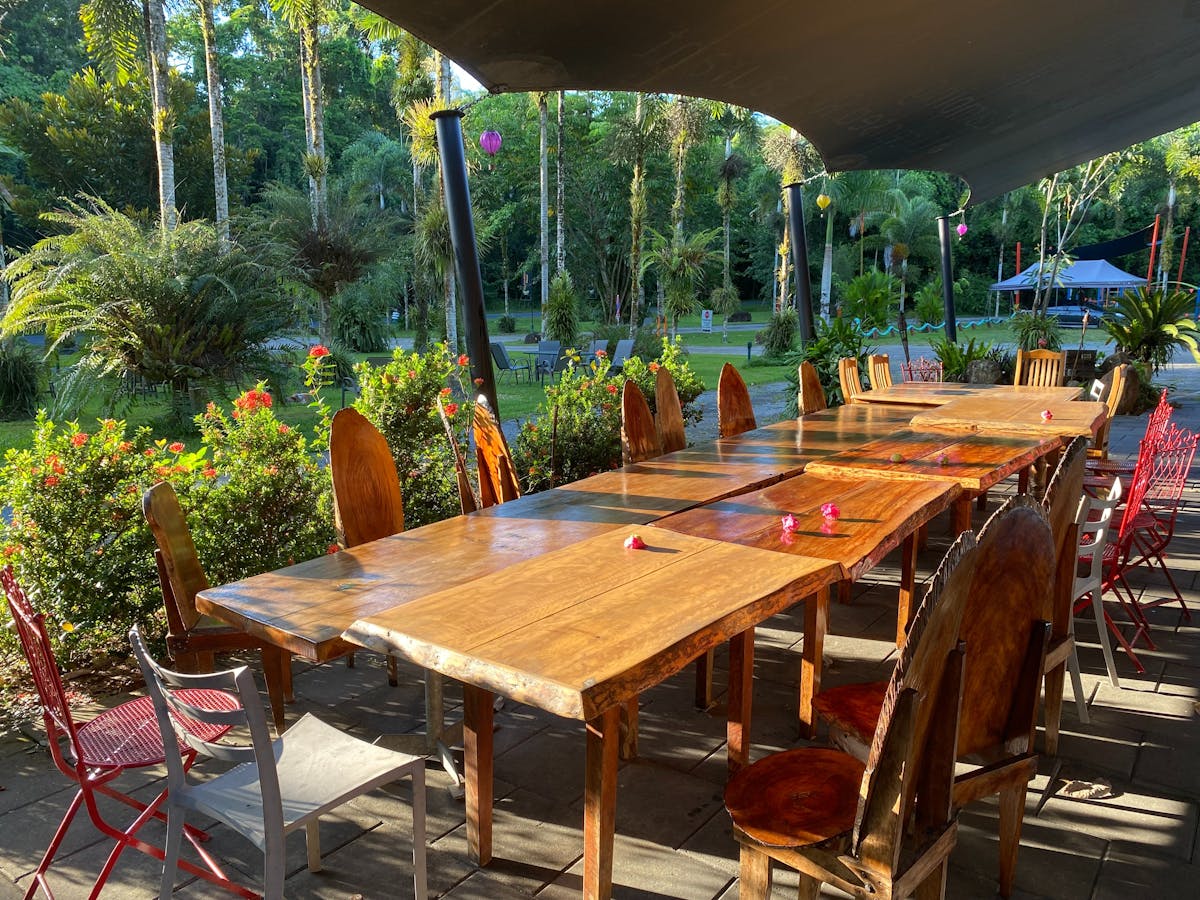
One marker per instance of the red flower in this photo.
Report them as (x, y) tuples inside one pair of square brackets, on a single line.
[(464, 360), (125, 446), (412, 373), (78, 440), (51, 480), (149, 451), (611, 388), (601, 354), (283, 429), (176, 447), (445, 392), (654, 367), (451, 409), (208, 472), (318, 351), (478, 382), (332, 548)]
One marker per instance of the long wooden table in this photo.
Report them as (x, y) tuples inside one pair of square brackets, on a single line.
[(1019, 414), (582, 648), (933, 394), (876, 516)]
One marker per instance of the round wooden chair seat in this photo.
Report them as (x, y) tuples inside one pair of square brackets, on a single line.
[(854, 708), (796, 798)]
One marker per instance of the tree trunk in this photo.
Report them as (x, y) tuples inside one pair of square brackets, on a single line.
[(216, 122), (451, 311), (544, 210), (504, 270), (637, 214), (827, 269), (156, 41), (560, 204), (317, 164)]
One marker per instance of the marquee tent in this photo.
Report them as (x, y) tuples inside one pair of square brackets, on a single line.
[(1083, 273)]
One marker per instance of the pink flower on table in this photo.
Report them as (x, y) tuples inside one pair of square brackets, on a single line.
[(1047, 415), (790, 523), (827, 526), (635, 542), (830, 510)]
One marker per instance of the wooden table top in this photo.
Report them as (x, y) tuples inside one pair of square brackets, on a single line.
[(974, 461), (583, 628), (876, 515), (928, 393), (1021, 413)]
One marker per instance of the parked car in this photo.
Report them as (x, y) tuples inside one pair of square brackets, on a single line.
[(1072, 316)]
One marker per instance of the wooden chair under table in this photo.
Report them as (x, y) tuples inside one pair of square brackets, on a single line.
[(1116, 396), (810, 397), (849, 379), (668, 417), (879, 371), (735, 413)]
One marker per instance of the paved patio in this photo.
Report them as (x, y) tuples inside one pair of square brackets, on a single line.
[(673, 837)]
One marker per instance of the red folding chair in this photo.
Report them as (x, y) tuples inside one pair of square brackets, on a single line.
[(1156, 426), (125, 737), (922, 369)]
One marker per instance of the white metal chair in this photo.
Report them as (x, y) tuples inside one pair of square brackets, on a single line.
[(276, 787), (1095, 518)]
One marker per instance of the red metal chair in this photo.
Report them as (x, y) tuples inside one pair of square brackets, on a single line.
[(928, 370), (125, 737), (1156, 426)]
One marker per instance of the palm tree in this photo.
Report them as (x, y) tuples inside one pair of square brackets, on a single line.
[(632, 137), (682, 267), (910, 229), (374, 166), (560, 212), (686, 120), (792, 157), (862, 193), (216, 121), (731, 121), (544, 201)]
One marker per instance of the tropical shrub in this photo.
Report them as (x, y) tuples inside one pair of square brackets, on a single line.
[(507, 324), (928, 303), (836, 338), (360, 318), (576, 431), (20, 380), (956, 357), (780, 334), (681, 267), (562, 310), (1036, 332), (673, 358), (401, 400), (1152, 324), (868, 297)]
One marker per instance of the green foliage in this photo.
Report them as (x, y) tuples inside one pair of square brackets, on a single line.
[(507, 325), (780, 334), (956, 357), (400, 399), (688, 385), (1154, 324), (20, 380), (576, 431), (562, 310), (837, 338), (360, 318), (682, 267), (1034, 332), (929, 305), (868, 297), (724, 301)]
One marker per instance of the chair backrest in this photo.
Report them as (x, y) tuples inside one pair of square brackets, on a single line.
[(1169, 469), (811, 396), (1003, 624), (879, 371), (500, 356), (1040, 368), (1061, 504), (639, 436), (1139, 482), (669, 414), (621, 353), (35, 642), (1094, 521), (927, 370), (903, 733), (597, 345), (162, 686), (849, 379), (1156, 422), (177, 556), (367, 504), (549, 347), (734, 412), (497, 476)]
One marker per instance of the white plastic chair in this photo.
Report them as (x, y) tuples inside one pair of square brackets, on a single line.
[(1095, 518), (278, 787)]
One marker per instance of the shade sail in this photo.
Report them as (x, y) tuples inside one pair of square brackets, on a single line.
[(1084, 273), (999, 93)]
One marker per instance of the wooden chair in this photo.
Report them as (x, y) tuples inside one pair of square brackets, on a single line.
[(734, 412), (639, 437), (498, 481), (1116, 396), (849, 379), (193, 639), (836, 821), (811, 396), (1006, 642), (879, 371), (668, 413), (1040, 368)]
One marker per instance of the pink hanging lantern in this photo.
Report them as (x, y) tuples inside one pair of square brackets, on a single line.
[(490, 141), (962, 229)]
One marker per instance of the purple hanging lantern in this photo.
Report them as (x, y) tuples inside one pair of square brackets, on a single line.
[(962, 229), (490, 142)]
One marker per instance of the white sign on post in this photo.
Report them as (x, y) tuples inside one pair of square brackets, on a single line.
[(706, 321)]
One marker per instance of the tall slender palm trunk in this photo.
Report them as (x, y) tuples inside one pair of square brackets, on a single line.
[(560, 204), (544, 209), (216, 122), (156, 34), (637, 217)]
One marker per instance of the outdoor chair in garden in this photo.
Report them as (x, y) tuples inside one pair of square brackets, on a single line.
[(1094, 521), (1156, 425), (879, 371), (1116, 396), (639, 436), (668, 418), (1040, 368), (810, 398), (886, 828), (498, 481), (735, 414), (275, 787), (549, 356), (927, 370), (96, 753), (621, 356), (1005, 637), (505, 365), (596, 346), (849, 379), (193, 639)]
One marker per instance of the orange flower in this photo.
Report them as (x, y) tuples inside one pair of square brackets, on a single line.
[(283, 429), (332, 549), (653, 367), (176, 447), (464, 360), (478, 382), (149, 451), (451, 408), (445, 392), (208, 472), (125, 446), (272, 470), (51, 480), (318, 351), (601, 354), (78, 440), (412, 373)]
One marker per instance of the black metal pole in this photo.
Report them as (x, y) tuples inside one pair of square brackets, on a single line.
[(800, 261), (466, 261), (947, 278)]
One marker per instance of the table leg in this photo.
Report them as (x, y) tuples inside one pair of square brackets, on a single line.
[(477, 748), (600, 803), (962, 514), (908, 587), (816, 621), (741, 691)]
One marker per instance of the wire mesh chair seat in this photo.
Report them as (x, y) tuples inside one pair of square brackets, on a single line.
[(925, 370), (101, 750)]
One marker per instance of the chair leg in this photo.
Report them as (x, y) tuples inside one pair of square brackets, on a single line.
[(1105, 643), (1077, 687), (754, 874), (1012, 814), (981, 501), (1023, 481), (628, 748), (170, 863), (420, 888), (809, 888), (393, 672), (312, 843), (1053, 706), (934, 885)]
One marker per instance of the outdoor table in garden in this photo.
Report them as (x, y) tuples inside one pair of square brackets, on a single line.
[(922, 393), (975, 462), (1019, 412), (582, 649)]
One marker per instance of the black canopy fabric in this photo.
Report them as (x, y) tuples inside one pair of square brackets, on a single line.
[(999, 93), (1130, 243)]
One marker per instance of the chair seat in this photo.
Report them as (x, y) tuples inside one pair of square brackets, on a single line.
[(796, 798), (127, 736), (854, 708), (319, 768)]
